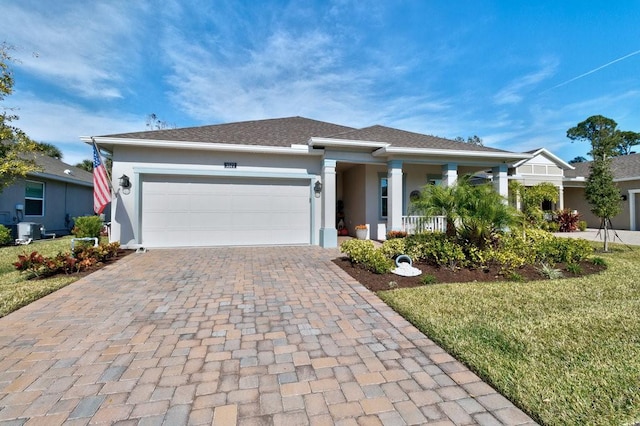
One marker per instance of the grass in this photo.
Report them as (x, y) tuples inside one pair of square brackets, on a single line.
[(565, 351), (15, 290)]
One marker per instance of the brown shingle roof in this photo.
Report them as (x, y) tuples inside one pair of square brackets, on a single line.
[(298, 130), (404, 139), (54, 168), (272, 132), (623, 167)]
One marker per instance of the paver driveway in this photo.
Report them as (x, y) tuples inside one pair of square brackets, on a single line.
[(224, 336)]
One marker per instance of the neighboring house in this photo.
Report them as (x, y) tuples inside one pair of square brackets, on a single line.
[(51, 197), (626, 174), (543, 166), (570, 179), (278, 181)]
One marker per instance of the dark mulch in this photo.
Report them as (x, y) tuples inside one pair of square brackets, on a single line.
[(378, 282)]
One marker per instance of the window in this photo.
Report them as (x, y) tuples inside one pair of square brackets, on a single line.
[(34, 198), (384, 195)]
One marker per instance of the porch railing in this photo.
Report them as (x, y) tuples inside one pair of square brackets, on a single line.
[(416, 224)]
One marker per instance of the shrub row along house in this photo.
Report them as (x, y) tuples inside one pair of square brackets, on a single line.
[(296, 180)]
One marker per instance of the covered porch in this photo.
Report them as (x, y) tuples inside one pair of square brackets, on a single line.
[(379, 195)]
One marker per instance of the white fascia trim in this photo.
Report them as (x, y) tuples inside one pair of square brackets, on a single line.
[(382, 152), (559, 161), (206, 146), (42, 175), (627, 179), (347, 143), (221, 173)]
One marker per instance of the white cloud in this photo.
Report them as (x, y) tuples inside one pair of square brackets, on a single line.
[(84, 47), (513, 93), (63, 124)]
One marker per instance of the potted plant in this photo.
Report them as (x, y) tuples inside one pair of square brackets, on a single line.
[(361, 232)]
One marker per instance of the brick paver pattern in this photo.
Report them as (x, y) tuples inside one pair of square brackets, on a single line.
[(225, 336)]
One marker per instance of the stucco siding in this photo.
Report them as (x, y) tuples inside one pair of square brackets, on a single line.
[(136, 162), (62, 201)]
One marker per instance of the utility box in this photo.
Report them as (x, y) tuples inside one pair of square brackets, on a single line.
[(28, 230)]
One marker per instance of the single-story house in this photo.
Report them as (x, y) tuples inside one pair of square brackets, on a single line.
[(278, 181), (51, 197), (543, 166), (626, 175)]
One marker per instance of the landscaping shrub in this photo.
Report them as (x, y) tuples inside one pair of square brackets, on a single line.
[(551, 226), (567, 220), (83, 258), (363, 252), (436, 248), (568, 250), (582, 225), (537, 246), (394, 247), (87, 227), (5, 235)]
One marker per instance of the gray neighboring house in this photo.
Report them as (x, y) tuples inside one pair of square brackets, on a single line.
[(626, 175), (51, 197), (289, 180)]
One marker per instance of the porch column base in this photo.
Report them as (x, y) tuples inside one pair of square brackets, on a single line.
[(328, 237)]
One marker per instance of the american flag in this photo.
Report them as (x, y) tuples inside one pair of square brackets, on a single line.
[(101, 193)]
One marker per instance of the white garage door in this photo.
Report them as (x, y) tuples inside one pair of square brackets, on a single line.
[(201, 211)]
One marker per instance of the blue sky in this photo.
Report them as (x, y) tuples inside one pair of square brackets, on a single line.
[(516, 73)]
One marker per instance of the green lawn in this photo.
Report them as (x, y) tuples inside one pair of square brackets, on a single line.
[(566, 351), (15, 290)]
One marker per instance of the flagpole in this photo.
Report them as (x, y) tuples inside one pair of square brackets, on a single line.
[(104, 164)]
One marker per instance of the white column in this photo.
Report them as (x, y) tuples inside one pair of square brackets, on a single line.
[(328, 231), (394, 200), (561, 197), (449, 174), (501, 181)]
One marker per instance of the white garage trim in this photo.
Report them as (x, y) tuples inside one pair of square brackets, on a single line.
[(140, 173), (632, 208)]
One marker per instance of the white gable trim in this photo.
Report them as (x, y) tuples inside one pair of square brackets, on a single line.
[(543, 151)]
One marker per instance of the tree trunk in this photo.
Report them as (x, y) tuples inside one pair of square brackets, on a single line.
[(606, 235)]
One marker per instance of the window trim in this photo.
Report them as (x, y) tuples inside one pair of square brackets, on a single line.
[(380, 203), (404, 194), (34, 198)]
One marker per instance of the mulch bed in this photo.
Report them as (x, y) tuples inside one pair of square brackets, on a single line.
[(378, 282)]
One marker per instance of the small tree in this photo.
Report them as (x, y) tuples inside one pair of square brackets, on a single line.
[(603, 195), (13, 141), (628, 140), (472, 140), (600, 189), (578, 159)]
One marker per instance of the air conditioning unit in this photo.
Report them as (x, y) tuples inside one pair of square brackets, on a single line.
[(28, 230)]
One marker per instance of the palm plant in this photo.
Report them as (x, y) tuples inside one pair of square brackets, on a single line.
[(435, 200), (473, 213), (483, 214)]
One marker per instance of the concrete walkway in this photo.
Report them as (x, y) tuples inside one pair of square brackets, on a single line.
[(631, 238), (248, 336)]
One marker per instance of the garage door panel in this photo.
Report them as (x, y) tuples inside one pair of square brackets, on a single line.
[(196, 211)]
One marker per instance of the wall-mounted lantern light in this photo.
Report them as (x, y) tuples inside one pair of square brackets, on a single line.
[(125, 184), (317, 188)]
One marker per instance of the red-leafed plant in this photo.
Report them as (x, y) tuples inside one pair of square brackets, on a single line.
[(567, 220)]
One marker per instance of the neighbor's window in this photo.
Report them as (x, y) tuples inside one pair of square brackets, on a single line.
[(384, 196), (34, 198)]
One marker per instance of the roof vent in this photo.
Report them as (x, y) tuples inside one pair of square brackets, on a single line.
[(68, 172)]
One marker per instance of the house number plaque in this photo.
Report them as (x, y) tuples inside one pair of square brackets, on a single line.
[(230, 165)]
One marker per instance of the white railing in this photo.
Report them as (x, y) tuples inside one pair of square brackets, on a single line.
[(416, 224)]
